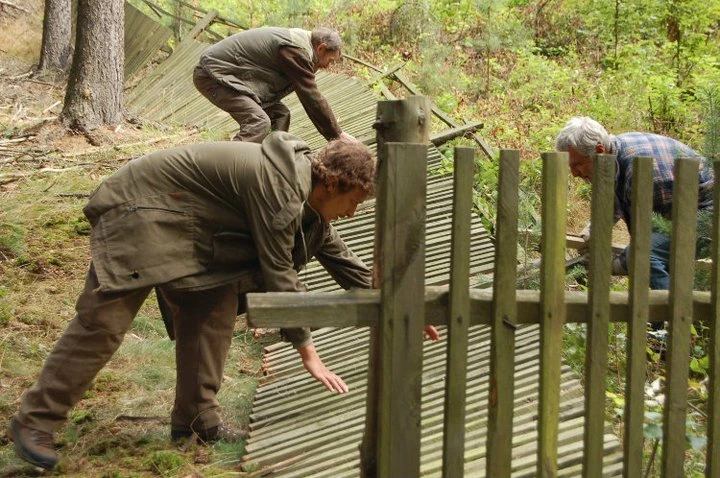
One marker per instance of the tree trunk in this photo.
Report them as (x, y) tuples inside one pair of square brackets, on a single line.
[(56, 49), (94, 94)]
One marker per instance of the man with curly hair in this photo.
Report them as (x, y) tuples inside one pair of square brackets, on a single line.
[(204, 225)]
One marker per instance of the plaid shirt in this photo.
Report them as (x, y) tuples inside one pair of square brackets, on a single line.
[(664, 150)]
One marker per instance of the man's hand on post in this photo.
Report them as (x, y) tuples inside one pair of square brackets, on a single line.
[(315, 366), (431, 333)]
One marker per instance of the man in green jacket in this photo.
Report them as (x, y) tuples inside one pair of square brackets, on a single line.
[(247, 74), (203, 224)]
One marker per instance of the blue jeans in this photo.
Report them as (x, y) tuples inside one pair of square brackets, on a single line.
[(659, 265)]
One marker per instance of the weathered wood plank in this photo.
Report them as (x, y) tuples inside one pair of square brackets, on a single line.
[(713, 405), (396, 121), (639, 266), (455, 392), (360, 308), (601, 217), (684, 218), (502, 352), (447, 135), (402, 316), (552, 276), (201, 25)]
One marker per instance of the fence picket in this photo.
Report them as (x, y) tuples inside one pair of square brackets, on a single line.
[(459, 314), (502, 351), (403, 316), (552, 288), (639, 267), (603, 192), (684, 218), (713, 406)]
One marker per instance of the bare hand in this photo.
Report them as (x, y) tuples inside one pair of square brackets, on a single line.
[(585, 235), (431, 333), (315, 366)]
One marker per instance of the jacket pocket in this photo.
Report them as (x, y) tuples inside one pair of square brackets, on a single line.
[(147, 242), (232, 250)]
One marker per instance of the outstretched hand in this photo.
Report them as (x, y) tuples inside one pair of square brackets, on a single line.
[(431, 333), (315, 366)]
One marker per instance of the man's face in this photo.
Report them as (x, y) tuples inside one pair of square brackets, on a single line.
[(580, 166), (335, 204), (326, 57)]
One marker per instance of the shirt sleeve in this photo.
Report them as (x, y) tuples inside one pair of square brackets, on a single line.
[(342, 264), (300, 72), (274, 247)]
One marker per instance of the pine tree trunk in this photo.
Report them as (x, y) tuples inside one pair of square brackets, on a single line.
[(56, 47), (94, 94)]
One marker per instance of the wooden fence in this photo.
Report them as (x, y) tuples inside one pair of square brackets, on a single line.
[(391, 445)]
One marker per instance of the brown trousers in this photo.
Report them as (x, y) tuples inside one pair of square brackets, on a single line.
[(203, 326), (255, 122)]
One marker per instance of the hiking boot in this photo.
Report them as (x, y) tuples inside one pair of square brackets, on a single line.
[(211, 435), (33, 446)]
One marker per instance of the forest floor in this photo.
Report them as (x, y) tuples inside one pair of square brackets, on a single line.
[(121, 427)]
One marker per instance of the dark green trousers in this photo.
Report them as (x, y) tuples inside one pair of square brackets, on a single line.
[(203, 325), (255, 121)]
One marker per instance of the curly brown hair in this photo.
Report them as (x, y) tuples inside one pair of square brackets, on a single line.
[(350, 162)]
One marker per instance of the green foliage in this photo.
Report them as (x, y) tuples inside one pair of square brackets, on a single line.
[(703, 244), (485, 198), (667, 110), (710, 100)]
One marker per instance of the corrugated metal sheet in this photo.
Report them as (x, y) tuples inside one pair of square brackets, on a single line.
[(144, 39), (300, 430)]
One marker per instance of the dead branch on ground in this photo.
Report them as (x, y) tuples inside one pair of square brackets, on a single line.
[(9, 4)]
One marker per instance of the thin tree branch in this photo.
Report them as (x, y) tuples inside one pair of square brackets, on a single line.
[(9, 4)]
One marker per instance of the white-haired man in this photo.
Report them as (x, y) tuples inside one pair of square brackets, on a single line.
[(583, 138)]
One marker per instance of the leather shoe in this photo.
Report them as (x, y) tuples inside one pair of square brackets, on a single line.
[(211, 435), (33, 446)]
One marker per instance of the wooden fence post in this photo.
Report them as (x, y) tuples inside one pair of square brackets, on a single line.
[(601, 217), (406, 121), (682, 267), (459, 316), (552, 303), (713, 447), (639, 268), (502, 347)]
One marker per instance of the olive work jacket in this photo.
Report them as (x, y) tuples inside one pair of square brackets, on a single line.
[(269, 63), (199, 216)]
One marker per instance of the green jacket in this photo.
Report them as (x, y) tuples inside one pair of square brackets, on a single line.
[(248, 61), (199, 216)]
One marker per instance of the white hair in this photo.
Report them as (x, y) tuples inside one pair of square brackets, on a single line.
[(328, 36), (583, 134)]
